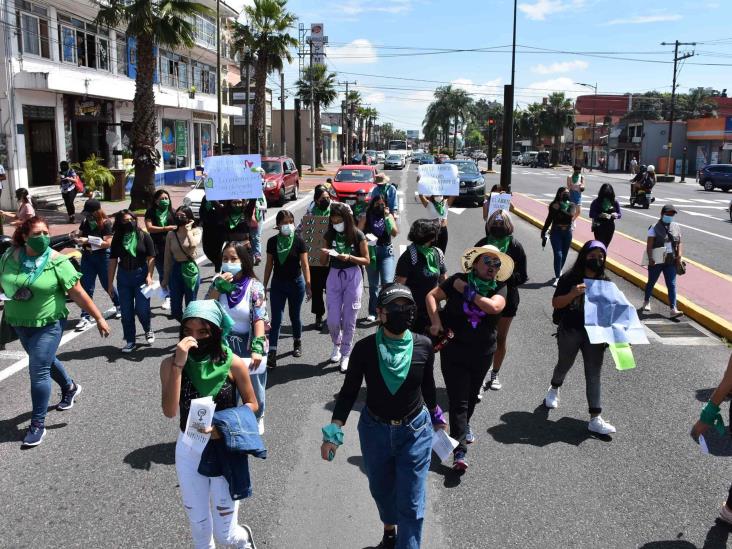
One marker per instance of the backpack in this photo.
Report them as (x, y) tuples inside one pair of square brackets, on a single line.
[(78, 184)]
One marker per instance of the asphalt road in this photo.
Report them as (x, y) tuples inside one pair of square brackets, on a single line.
[(105, 477)]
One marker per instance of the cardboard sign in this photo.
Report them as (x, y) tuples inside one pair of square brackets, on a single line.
[(233, 176), (312, 231), (499, 201), (438, 179)]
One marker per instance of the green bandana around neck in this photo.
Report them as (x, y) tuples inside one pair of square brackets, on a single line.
[(565, 205), (575, 177), (206, 375), (92, 225), (341, 244), (284, 245), (234, 219), (395, 358), (161, 213), (318, 211), (607, 206), (430, 256), (129, 242), (440, 207), (483, 287), (359, 208), (502, 243)]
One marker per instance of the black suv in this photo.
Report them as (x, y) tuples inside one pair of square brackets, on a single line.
[(717, 176)]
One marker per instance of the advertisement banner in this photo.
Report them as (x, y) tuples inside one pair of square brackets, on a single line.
[(438, 179), (233, 176), (181, 138)]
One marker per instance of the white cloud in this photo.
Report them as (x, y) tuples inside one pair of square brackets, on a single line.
[(539, 10), (487, 90), (644, 19), (565, 66), (357, 52), (536, 90)]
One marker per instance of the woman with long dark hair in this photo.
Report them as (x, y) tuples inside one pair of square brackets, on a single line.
[(25, 208), (569, 305), (182, 276), (348, 252), (437, 208), (604, 210), (159, 221), (236, 217), (559, 219)]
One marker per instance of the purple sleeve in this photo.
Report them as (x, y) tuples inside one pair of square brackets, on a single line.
[(617, 209), (594, 207)]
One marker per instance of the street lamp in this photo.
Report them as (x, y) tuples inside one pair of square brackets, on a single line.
[(594, 117)]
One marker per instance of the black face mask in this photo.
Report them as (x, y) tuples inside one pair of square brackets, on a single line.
[(379, 210), (206, 347), (127, 226), (399, 320), (499, 232), (323, 204), (565, 197), (595, 265), (180, 221)]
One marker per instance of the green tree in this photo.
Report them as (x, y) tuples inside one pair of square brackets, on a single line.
[(698, 103), (319, 84), (152, 23), (557, 113)]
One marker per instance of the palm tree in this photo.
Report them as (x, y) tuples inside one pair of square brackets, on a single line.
[(164, 23), (437, 120), (458, 102), (267, 40), (698, 103), (353, 100), (371, 115), (556, 115), (319, 84)]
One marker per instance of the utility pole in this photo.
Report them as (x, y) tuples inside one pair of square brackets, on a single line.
[(313, 160), (218, 75), (347, 121), (676, 45), (298, 137), (248, 61), (489, 160), (507, 155), (283, 142)]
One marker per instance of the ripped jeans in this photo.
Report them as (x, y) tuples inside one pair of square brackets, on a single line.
[(208, 504)]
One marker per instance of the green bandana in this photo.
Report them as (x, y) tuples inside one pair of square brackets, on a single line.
[(501, 243), (189, 272), (341, 244), (395, 358), (211, 310), (430, 256), (440, 207), (607, 206), (284, 245), (234, 219), (223, 286), (258, 212), (92, 225), (161, 213), (484, 287), (324, 213), (575, 177), (359, 208), (565, 205), (208, 377), (129, 242)]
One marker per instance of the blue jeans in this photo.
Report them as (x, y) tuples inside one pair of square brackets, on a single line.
[(132, 301), (160, 265), (380, 273), (94, 265), (41, 345), (561, 241), (669, 275), (239, 344), (397, 460), (255, 236), (292, 292), (179, 291)]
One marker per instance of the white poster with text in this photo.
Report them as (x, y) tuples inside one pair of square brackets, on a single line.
[(438, 179), (499, 201), (233, 176)]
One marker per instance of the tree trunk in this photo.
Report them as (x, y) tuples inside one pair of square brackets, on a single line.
[(144, 127), (454, 138), (360, 134), (318, 136), (259, 119)]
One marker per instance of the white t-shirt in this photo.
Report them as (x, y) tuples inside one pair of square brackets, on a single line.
[(432, 212)]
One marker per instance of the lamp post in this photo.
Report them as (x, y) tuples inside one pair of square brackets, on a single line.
[(508, 116), (594, 118)]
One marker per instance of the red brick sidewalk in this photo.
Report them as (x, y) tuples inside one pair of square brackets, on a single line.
[(703, 294)]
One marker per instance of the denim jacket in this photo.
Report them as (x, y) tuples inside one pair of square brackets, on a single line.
[(228, 456)]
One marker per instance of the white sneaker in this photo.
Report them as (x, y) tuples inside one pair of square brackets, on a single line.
[(600, 426), (344, 364), (335, 356), (117, 313), (260, 425), (83, 324), (128, 348), (675, 313), (646, 307), (556, 281), (371, 318), (551, 400), (166, 304), (150, 337)]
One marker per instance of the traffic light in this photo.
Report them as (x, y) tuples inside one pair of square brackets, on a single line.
[(491, 122)]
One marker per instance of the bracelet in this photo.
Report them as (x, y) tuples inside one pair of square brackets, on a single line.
[(332, 433), (257, 345)]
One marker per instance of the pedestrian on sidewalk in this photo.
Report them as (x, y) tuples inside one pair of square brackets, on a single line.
[(474, 300), (159, 221), (559, 220), (664, 254), (396, 425), (421, 268), (69, 190), (203, 365), (499, 233), (633, 166), (379, 223), (344, 286), (211, 214), (38, 280), (576, 186), (287, 264), (604, 210), (320, 206), (95, 259), (237, 217), (133, 251), (385, 188), (243, 297), (25, 208), (181, 275), (569, 314)]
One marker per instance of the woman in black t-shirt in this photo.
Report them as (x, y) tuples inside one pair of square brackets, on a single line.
[(236, 220), (474, 301), (559, 218), (572, 337), (159, 221), (211, 214), (287, 258)]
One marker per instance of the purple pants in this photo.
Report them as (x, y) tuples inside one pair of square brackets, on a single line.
[(343, 291)]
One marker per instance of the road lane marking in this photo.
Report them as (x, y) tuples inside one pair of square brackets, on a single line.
[(457, 211)]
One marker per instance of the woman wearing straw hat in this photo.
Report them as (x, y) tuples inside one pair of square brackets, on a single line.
[(388, 191), (474, 300)]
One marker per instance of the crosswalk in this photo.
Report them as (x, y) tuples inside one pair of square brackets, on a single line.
[(685, 202)]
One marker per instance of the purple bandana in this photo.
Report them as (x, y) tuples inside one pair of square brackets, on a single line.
[(237, 294), (378, 226), (474, 313)]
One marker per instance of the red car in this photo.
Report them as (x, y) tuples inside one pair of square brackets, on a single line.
[(281, 179), (350, 178)]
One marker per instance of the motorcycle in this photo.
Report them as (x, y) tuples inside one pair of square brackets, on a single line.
[(643, 197)]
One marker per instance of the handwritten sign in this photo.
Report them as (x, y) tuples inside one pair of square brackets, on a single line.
[(233, 176), (499, 201), (313, 228), (438, 179)]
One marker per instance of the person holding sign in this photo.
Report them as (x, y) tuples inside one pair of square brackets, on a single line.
[(348, 252), (379, 223), (395, 427), (437, 207), (388, 191), (664, 250), (319, 273), (569, 314), (181, 275), (495, 189), (202, 365), (559, 218), (236, 220)]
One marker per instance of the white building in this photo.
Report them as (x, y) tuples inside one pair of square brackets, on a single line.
[(68, 85)]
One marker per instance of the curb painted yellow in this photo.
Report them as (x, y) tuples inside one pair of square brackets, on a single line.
[(708, 319)]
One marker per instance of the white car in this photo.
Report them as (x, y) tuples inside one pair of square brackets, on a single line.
[(194, 197), (380, 156)]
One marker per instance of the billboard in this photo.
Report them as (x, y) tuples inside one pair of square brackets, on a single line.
[(412, 134), (318, 41)]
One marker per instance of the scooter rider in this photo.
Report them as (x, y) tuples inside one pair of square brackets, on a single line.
[(643, 180)]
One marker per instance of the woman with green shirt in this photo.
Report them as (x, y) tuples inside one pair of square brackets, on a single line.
[(37, 280)]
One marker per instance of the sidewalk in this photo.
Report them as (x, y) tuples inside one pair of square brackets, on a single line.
[(703, 294)]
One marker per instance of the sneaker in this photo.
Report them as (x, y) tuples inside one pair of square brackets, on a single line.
[(34, 435), (129, 347), (470, 436), (388, 541), (344, 364), (371, 318), (83, 324), (480, 394), (166, 304), (250, 544), (260, 425), (725, 514), (646, 307), (318, 322), (600, 426), (150, 337), (335, 356), (494, 383), (551, 400), (297, 348), (117, 313), (675, 313), (272, 359), (68, 397), (459, 463), (556, 281)]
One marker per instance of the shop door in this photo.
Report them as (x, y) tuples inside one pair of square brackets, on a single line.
[(89, 140), (41, 152)]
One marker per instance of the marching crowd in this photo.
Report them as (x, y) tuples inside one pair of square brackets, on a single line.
[(229, 333)]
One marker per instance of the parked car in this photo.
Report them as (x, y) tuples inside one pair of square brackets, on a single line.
[(281, 179), (515, 155), (472, 183), (716, 176), (426, 159), (372, 156), (350, 178), (394, 162), (478, 155), (542, 160), (380, 156)]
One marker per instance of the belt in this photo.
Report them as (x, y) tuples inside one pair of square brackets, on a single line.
[(396, 422)]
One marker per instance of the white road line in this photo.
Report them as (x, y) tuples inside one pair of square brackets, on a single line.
[(704, 201), (680, 224), (457, 211)]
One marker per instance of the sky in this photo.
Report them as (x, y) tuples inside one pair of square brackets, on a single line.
[(387, 47)]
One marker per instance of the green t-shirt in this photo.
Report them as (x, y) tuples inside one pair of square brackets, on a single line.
[(48, 303)]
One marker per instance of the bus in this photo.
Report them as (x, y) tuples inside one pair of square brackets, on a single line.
[(399, 147)]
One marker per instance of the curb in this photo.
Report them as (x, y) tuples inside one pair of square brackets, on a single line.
[(708, 319)]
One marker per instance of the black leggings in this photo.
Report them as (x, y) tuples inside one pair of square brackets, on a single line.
[(441, 241), (318, 278), (69, 198), (604, 232)]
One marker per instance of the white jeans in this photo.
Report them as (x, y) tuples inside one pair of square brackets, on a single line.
[(208, 504)]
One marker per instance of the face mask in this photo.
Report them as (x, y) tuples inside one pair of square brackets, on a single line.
[(163, 204), (596, 265), (286, 230), (236, 209), (180, 221), (439, 198), (499, 232), (127, 226), (340, 227), (565, 198), (398, 322), (39, 243), (667, 219), (379, 210), (232, 268), (323, 203), (206, 346)]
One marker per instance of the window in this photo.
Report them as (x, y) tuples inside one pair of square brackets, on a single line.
[(205, 31), (204, 77), (174, 138), (79, 43), (121, 54), (174, 70), (201, 142), (32, 23)]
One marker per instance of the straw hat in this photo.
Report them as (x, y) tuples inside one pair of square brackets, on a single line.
[(471, 254), (381, 178)]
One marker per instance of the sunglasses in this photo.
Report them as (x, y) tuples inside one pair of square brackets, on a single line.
[(491, 261)]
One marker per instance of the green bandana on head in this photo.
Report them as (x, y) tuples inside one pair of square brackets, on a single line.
[(129, 242), (483, 287), (395, 358), (211, 310), (430, 256), (284, 245)]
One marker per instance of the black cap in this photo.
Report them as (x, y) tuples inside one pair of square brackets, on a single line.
[(669, 208), (361, 191), (391, 292), (92, 205)]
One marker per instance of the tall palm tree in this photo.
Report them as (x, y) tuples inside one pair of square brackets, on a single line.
[(319, 84), (164, 23), (459, 103), (353, 100), (268, 42), (557, 114), (371, 115), (698, 103), (437, 120)]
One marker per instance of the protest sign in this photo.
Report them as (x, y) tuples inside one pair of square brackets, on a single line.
[(200, 416), (438, 179), (233, 176), (609, 316), (499, 201), (312, 232)]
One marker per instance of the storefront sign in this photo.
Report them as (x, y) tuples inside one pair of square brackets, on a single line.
[(181, 138), (88, 108), (438, 179), (233, 176)]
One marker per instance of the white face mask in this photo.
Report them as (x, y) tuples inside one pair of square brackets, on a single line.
[(438, 198), (340, 227), (232, 268), (286, 230)]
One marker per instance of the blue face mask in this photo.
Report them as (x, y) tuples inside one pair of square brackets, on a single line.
[(667, 219), (232, 268)]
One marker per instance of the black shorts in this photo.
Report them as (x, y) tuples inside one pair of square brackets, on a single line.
[(512, 303)]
